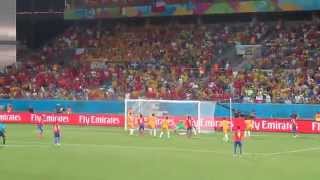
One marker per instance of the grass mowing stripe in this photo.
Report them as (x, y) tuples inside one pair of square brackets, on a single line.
[(35, 144)]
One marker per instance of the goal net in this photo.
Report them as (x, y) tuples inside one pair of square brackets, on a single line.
[(201, 112)]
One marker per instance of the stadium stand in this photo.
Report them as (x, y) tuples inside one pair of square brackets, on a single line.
[(173, 61)]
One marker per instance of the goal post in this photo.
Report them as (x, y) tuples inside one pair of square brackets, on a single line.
[(175, 109), (202, 112)]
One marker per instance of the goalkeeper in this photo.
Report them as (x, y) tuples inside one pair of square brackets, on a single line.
[(180, 128)]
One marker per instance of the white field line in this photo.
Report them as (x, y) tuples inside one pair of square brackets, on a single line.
[(35, 144), (124, 147), (293, 151)]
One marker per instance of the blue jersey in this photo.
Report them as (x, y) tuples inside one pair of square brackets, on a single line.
[(2, 127)]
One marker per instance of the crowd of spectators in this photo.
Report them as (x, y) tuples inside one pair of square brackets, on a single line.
[(291, 60), (173, 61), (108, 3)]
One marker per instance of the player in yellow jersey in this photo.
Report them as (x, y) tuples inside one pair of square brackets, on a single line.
[(165, 127), (249, 126), (225, 124), (317, 117), (152, 124), (131, 123)]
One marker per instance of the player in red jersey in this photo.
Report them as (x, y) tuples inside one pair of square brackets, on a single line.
[(141, 124), (237, 139), (189, 126), (294, 126), (57, 133)]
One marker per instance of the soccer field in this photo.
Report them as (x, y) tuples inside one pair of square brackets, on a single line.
[(92, 153)]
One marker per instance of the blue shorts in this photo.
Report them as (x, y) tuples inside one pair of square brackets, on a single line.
[(57, 134), (40, 128), (238, 143), (141, 127), (2, 134), (294, 128)]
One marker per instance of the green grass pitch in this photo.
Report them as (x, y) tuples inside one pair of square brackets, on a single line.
[(97, 153)]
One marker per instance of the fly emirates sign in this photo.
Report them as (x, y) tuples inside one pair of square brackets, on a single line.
[(112, 120), (116, 120)]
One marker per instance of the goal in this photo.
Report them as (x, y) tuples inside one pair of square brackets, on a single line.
[(201, 112)]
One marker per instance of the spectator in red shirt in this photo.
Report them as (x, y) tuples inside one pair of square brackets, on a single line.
[(9, 108)]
